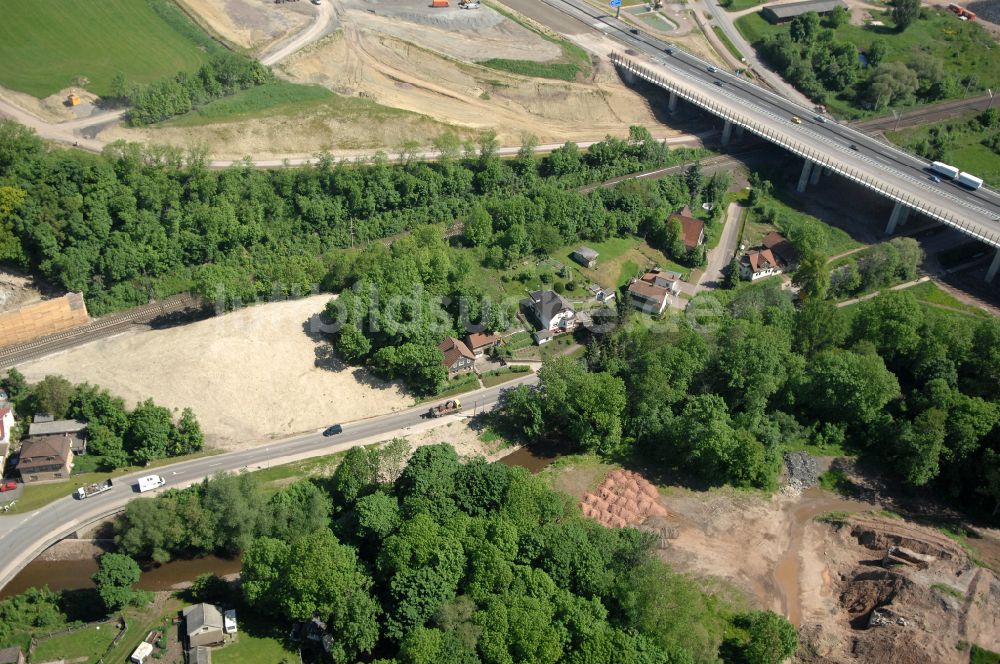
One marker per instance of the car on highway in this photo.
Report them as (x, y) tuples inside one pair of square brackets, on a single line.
[(796, 119), (820, 119), (713, 69), (634, 31), (333, 430), (8, 486), (719, 83), (934, 178), (853, 147), (668, 51)]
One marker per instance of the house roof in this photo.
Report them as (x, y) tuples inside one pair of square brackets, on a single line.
[(201, 615), (586, 252), (454, 349), (762, 259), (55, 427), (656, 273), (476, 340), (779, 246), (647, 290), (547, 304), (42, 449), (797, 8), (691, 228), (4, 411), (11, 655)]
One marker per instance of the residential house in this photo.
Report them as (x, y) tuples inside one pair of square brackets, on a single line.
[(585, 256), (692, 230), (542, 337), (46, 426), (6, 430), (647, 296), (203, 625), (774, 256), (11, 655), (45, 458), (457, 356), (481, 343), (550, 311)]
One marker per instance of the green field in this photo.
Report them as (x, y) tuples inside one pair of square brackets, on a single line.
[(740, 5), (277, 98), (574, 59), (963, 47), (964, 147), (757, 226), (249, 649), (47, 46), (83, 645), (727, 42)]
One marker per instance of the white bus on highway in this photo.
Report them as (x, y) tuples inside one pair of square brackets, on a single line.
[(150, 482), (970, 181), (944, 169)]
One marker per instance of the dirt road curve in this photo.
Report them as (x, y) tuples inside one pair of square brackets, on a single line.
[(324, 16)]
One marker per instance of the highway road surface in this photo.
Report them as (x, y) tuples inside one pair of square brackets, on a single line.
[(844, 148), (24, 536)]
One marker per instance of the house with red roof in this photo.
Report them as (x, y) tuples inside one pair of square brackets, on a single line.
[(692, 230), (774, 256), (651, 292), (481, 343), (457, 356)]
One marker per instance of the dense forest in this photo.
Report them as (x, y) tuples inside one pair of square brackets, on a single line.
[(432, 560), (720, 392), (140, 222), (116, 436)]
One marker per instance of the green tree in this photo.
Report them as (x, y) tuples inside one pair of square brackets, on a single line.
[(14, 384), (357, 474), (52, 395), (149, 431), (352, 345), (186, 437), (904, 13), (764, 638), (819, 325), (892, 322), (378, 515), (115, 577), (847, 387), (877, 52), (812, 275), (892, 83)]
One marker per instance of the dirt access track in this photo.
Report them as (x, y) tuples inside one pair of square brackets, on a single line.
[(817, 559), (250, 375), (402, 54)]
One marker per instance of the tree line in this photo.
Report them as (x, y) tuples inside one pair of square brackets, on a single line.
[(116, 436), (719, 394), (430, 559), (224, 74), (137, 222)]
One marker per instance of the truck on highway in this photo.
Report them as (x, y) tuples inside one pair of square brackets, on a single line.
[(93, 489), (446, 408), (944, 169), (150, 482), (970, 181)]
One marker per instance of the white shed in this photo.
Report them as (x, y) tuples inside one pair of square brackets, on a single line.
[(140, 654)]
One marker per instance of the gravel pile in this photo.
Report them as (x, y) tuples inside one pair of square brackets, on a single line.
[(803, 472)]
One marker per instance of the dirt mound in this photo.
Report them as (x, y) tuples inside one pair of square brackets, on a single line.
[(868, 591), (623, 498), (881, 535)]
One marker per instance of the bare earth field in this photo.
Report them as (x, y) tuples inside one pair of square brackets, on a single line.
[(17, 290), (829, 579), (249, 375), (252, 24), (405, 55)]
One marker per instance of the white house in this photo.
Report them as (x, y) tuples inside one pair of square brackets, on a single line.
[(551, 311), (6, 425), (774, 256)]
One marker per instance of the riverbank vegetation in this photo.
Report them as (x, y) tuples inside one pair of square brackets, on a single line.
[(857, 70), (431, 558)]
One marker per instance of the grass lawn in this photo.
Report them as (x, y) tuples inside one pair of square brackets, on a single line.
[(983, 656), (140, 621), (740, 5), (787, 218), (730, 46), (277, 98), (504, 375), (250, 648), (963, 148), (963, 47), (83, 645), (44, 46), (929, 293), (278, 476)]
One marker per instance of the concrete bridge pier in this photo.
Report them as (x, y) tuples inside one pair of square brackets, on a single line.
[(738, 133), (727, 132), (629, 76), (994, 266), (672, 102), (804, 177), (900, 213), (817, 171)]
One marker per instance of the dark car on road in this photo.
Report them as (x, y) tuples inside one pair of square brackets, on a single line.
[(334, 430)]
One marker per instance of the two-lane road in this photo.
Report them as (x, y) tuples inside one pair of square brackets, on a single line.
[(24, 536)]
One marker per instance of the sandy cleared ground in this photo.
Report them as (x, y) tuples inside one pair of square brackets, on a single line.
[(17, 290), (248, 375), (252, 24), (404, 55)]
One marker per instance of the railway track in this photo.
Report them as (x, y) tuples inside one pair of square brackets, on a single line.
[(102, 327)]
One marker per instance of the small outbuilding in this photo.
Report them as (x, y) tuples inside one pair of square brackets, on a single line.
[(140, 654), (203, 625), (585, 256), (782, 13), (11, 655)]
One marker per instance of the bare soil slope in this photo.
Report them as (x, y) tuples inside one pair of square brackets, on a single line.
[(248, 375)]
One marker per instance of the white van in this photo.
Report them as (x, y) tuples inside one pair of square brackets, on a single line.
[(150, 482)]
